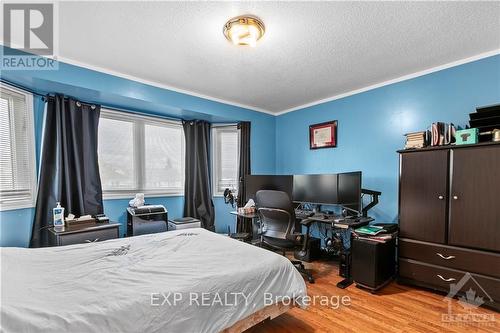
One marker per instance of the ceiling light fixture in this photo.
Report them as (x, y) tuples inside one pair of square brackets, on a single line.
[(244, 30)]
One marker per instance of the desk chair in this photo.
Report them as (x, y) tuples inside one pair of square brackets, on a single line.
[(277, 217)]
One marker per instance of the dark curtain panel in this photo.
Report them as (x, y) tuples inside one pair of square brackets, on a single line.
[(197, 190), (69, 170), (244, 225)]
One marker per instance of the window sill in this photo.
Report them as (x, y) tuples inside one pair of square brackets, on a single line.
[(16, 205), (130, 196)]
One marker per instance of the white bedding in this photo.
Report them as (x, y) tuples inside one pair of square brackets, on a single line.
[(120, 285)]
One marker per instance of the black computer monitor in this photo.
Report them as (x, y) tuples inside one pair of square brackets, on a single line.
[(318, 189), (329, 189), (254, 183), (349, 190)]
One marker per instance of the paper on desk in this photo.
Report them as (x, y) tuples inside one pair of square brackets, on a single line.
[(249, 204)]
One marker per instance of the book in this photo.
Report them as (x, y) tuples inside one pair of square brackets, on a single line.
[(378, 239), (416, 140), (449, 134), (442, 134), (369, 230)]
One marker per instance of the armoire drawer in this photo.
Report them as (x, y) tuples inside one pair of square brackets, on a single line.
[(441, 278), (473, 261)]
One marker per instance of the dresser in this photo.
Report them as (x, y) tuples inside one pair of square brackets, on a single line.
[(85, 233), (449, 220)]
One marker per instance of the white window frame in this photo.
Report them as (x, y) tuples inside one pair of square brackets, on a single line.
[(139, 155), (215, 154), (22, 200)]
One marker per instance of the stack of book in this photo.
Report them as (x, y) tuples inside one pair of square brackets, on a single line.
[(373, 233), (442, 134), (416, 140)]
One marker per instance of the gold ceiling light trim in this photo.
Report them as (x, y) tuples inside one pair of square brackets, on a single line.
[(244, 30)]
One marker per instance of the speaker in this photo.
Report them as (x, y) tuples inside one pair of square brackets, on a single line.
[(313, 250), (373, 263)]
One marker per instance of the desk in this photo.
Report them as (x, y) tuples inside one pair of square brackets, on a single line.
[(336, 222), (245, 216), (255, 224), (342, 223)]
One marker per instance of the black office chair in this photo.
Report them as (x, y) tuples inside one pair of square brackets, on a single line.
[(277, 218)]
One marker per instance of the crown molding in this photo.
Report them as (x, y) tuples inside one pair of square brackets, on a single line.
[(159, 85), (295, 108), (396, 80)]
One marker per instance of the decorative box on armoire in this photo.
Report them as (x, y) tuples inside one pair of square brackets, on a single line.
[(449, 220)]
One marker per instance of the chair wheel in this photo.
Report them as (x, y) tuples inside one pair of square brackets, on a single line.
[(310, 279)]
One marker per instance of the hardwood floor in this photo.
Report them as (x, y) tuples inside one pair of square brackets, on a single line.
[(395, 308)]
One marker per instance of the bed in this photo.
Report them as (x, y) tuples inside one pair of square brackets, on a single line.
[(178, 281)]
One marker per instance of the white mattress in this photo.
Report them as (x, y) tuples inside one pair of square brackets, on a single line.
[(109, 286)]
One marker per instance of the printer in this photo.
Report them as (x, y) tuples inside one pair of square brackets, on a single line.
[(147, 219)]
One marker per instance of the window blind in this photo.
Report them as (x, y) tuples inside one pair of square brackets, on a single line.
[(116, 154), (17, 167), (164, 157), (140, 154), (226, 154)]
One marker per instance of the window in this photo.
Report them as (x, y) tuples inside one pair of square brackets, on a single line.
[(225, 142), (140, 154), (17, 149)]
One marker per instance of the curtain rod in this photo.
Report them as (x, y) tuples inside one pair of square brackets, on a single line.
[(107, 106), (44, 97), (21, 87)]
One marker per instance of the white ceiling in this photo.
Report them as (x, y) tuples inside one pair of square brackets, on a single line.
[(310, 52)]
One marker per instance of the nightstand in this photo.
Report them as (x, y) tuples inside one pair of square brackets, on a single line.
[(84, 233)]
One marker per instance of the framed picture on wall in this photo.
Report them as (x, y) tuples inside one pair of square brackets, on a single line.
[(323, 135)]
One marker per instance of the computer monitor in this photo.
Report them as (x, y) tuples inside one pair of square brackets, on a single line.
[(329, 189), (318, 189), (254, 183), (349, 190)]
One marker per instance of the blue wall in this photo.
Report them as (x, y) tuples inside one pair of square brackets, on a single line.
[(371, 125), (15, 227), (371, 128), (113, 91)]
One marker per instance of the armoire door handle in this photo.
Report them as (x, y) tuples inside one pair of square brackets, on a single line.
[(440, 197), (455, 197)]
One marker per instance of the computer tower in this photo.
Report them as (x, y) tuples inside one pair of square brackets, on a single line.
[(313, 251), (345, 264), (373, 263)]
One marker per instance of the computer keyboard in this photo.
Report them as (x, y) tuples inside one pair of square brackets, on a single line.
[(303, 214)]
